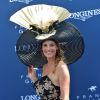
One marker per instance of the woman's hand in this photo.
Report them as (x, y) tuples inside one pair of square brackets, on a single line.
[(32, 73)]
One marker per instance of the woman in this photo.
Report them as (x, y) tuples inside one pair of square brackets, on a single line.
[(46, 33), (57, 72)]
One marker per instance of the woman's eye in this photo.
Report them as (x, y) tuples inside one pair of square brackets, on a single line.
[(45, 45), (51, 45)]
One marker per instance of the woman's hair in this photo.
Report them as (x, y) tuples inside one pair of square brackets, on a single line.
[(59, 53)]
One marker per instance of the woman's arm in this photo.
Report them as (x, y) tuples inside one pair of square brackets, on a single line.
[(32, 73), (64, 81)]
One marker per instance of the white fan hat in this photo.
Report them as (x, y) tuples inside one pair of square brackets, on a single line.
[(41, 16)]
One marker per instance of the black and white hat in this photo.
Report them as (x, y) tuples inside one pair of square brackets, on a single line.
[(52, 26)]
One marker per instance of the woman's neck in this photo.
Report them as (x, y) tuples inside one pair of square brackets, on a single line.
[(49, 67), (51, 62)]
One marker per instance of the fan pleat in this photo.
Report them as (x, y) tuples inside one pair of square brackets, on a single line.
[(40, 16)]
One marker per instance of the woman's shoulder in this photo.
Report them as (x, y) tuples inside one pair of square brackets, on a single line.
[(62, 64), (63, 69)]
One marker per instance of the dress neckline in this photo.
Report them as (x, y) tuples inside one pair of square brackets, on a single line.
[(46, 76), (50, 80)]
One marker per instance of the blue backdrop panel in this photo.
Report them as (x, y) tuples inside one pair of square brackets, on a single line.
[(85, 73)]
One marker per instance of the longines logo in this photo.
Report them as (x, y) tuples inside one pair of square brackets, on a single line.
[(30, 97), (83, 15), (23, 1)]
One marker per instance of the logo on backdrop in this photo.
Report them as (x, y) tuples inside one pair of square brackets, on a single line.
[(30, 97), (20, 29), (26, 79), (84, 15), (91, 94), (22, 1)]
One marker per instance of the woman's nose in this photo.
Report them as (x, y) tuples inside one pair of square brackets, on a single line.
[(48, 48)]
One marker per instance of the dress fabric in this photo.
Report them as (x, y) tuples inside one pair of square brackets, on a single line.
[(46, 90)]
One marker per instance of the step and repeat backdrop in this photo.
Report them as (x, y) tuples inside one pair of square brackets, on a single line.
[(85, 73)]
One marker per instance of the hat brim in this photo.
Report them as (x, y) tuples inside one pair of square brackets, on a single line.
[(68, 36)]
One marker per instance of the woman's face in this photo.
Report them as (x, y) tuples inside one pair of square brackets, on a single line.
[(49, 48)]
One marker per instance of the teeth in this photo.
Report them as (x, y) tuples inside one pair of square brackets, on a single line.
[(48, 52)]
